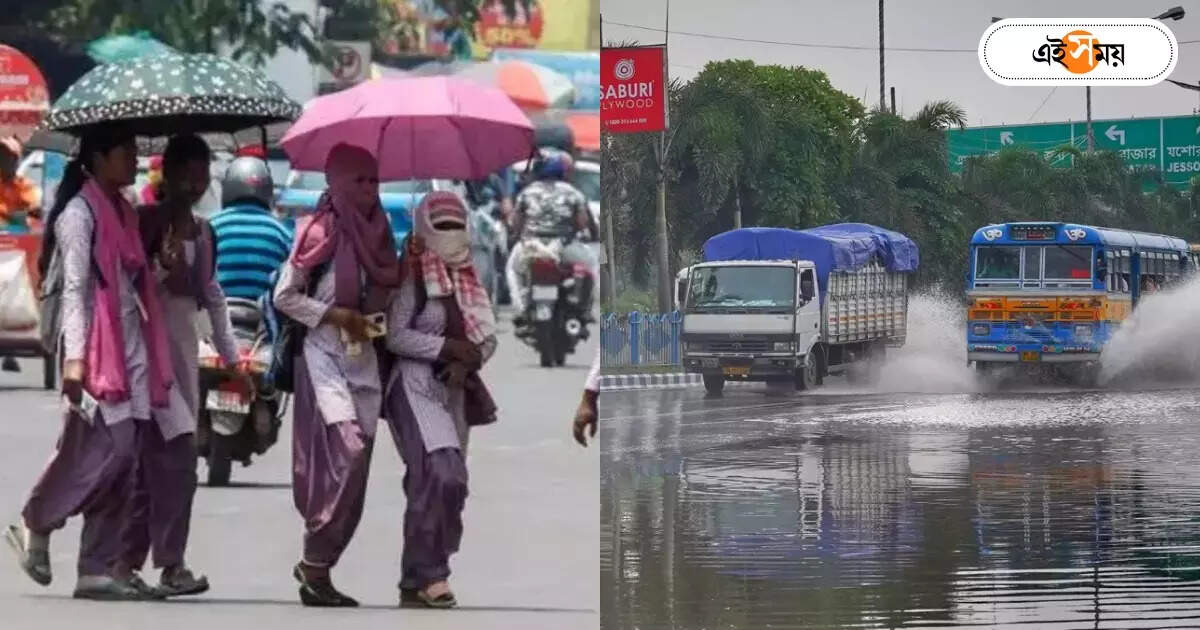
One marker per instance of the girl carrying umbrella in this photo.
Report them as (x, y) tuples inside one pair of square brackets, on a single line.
[(115, 349), (347, 254)]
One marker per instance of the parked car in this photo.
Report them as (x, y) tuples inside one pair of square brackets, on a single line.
[(303, 189)]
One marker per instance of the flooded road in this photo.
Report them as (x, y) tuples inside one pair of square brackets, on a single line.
[(760, 509)]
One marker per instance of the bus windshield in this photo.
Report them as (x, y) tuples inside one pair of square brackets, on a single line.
[(1033, 266), (771, 288), (998, 263)]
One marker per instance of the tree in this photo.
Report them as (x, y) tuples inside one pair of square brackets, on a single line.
[(781, 147), (256, 29)]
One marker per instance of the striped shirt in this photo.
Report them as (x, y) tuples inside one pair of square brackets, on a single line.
[(251, 245)]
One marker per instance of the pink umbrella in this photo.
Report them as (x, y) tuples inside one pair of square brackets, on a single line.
[(418, 128)]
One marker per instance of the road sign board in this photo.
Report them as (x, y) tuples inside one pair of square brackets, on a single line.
[(975, 141), (1170, 145)]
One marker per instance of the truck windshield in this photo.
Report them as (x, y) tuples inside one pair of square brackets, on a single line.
[(742, 287)]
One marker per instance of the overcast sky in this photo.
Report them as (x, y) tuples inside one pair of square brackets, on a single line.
[(918, 77)]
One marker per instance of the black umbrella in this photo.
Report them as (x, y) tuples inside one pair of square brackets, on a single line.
[(158, 96)]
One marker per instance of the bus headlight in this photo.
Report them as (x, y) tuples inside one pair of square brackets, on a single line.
[(1083, 331), (784, 346), (981, 330)]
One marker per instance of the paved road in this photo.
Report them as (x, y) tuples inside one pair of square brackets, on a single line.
[(529, 557), (1037, 506)]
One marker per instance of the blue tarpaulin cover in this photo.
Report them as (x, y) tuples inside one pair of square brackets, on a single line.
[(840, 247)]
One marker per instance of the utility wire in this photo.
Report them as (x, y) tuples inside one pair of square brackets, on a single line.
[(809, 44)]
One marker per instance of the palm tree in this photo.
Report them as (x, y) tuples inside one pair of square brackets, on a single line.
[(727, 133)]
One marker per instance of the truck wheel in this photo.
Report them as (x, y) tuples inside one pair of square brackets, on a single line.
[(49, 372), (714, 383), (807, 376)]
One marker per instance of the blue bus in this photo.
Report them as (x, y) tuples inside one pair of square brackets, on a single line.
[(1054, 293)]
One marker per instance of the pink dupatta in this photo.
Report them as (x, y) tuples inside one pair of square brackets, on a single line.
[(117, 247)]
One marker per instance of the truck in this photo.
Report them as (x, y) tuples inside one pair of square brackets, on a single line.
[(795, 306)]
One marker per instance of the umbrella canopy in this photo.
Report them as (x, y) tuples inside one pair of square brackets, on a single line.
[(153, 145), (586, 128), (164, 95), (116, 48), (417, 128), (529, 85)]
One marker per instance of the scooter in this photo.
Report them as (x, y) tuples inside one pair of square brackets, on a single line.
[(558, 302), (238, 418)]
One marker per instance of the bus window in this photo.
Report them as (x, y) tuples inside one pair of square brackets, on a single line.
[(1069, 263), (1031, 273), (1110, 277), (997, 263)]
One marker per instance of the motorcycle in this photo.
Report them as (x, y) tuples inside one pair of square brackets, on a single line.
[(559, 296), (239, 418)]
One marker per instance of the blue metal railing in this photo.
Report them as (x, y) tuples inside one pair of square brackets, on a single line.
[(634, 339)]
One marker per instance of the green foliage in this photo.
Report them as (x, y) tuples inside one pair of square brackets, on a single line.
[(795, 152), (255, 28)]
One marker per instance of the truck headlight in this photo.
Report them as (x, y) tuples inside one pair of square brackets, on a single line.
[(783, 346), (981, 330), (1083, 331)]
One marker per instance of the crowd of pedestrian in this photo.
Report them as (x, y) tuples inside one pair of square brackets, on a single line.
[(398, 338)]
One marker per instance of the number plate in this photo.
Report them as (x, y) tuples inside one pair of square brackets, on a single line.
[(227, 402), (545, 293), (1031, 357), (736, 371)]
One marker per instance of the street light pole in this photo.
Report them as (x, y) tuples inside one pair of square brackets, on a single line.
[(882, 98), (1091, 137)]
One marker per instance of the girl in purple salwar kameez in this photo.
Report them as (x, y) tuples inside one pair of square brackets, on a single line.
[(180, 248), (114, 345), (427, 396)]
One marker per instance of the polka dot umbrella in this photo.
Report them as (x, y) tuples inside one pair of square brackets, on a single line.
[(162, 95)]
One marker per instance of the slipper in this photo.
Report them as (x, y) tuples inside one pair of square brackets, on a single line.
[(418, 598), (34, 562), (320, 593)]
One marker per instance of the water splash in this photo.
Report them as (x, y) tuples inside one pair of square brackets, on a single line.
[(934, 357), (1158, 343)]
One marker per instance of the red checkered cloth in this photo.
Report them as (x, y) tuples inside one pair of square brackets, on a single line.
[(463, 283)]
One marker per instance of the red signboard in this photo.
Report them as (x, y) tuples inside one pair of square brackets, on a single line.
[(24, 99), (632, 98)]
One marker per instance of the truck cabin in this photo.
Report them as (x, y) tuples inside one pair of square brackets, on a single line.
[(750, 287), (681, 287)]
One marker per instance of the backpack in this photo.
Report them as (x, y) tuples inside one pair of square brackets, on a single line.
[(50, 299), (287, 334)]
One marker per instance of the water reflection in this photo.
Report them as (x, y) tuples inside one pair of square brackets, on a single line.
[(1055, 510)]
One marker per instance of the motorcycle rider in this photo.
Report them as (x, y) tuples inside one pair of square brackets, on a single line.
[(251, 242), (550, 206), (251, 245)]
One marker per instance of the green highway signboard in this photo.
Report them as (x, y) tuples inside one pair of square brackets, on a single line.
[(1170, 145)]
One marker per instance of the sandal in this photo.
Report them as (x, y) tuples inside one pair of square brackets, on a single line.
[(320, 593), (418, 598), (34, 562), (181, 581), (108, 589)]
